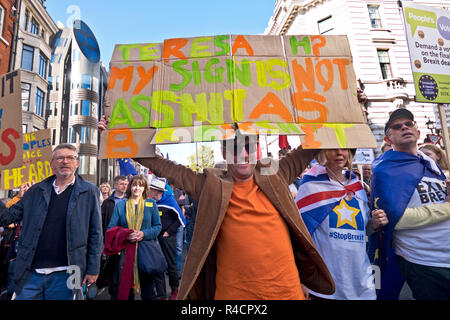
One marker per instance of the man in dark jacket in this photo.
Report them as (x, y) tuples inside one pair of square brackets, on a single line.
[(61, 232), (109, 263), (120, 185)]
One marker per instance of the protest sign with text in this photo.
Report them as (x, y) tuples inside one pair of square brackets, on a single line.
[(10, 121), (35, 166), (203, 89), (428, 35)]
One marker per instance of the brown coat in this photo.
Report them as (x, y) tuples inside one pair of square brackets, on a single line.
[(213, 189)]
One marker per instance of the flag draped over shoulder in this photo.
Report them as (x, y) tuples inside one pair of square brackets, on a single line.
[(168, 201), (126, 168), (395, 176), (317, 196)]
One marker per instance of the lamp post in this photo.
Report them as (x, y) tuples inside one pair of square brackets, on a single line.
[(430, 125)]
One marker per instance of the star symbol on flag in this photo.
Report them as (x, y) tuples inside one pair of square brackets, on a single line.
[(346, 215)]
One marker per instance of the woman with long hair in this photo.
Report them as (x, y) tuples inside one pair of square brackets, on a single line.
[(140, 216), (105, 191), (334, 207)]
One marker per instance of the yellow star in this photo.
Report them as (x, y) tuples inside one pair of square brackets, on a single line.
[(375, 204), (346, 215)]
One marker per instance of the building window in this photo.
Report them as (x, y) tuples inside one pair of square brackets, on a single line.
[(40, 98), (43, 61), (27, 58), (385, 64), (84, 135), (92, 165), (86, 81), (26, 19), (53, 83), (24, 128), (85, 108), (83, 167), (325, 25), (95, 84), (73, 135), (2, 19), (74, 108), (34, 27), (25, 96), (75, 55), (374, 16)]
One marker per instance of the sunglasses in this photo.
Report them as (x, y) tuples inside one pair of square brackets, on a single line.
[(398, 126), (250, 147)]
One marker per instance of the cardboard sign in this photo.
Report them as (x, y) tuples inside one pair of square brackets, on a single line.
[(10, 121), (363, 156), (203, 89), (37, 154), (428, 35)]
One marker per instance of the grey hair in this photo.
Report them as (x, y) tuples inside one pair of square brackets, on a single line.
[(65, 146)]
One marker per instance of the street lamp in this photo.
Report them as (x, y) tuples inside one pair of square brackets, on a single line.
[(430, 125)]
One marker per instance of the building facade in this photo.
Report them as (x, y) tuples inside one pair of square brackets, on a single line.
[(378, 44), (30, 55), (77, 83), (8, 14)]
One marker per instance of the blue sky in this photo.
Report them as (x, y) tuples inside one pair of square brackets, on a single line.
[(144, 21), (139, 21)]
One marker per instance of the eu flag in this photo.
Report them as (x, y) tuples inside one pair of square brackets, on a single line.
[(395, 176), (126, 168)]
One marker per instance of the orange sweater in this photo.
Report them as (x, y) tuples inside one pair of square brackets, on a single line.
[(255, 258)]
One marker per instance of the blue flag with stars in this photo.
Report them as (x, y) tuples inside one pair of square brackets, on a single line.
[(126, 168)]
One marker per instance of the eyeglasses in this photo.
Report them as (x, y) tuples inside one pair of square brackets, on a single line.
[(237, 148), (398, 126), (68, 158)]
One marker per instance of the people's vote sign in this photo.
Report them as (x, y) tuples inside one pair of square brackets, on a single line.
[(428, 35), (10, 121), (205, 88)]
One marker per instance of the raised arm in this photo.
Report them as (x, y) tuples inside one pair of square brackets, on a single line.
[(295, 162), (180, 176)]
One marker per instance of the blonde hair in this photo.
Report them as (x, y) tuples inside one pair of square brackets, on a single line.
[(442, 162), (105, 184), (321, 157)]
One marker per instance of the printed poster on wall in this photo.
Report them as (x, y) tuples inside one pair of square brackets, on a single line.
[(428, 35)]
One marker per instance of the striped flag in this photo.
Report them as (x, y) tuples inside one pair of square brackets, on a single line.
[(317, 195)]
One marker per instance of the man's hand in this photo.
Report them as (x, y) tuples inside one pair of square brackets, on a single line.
[(102, 124), (89, 279), (362, 98), (24, 187), (379, 218)]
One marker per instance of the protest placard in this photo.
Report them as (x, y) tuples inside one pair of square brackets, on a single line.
[(205, 88), (10, 121), (428, 35), (35, 166)]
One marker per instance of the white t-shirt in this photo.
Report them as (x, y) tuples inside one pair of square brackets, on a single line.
[(341, 241), (428, 245)]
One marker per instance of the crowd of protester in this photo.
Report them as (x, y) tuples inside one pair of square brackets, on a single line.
[(341, 221)]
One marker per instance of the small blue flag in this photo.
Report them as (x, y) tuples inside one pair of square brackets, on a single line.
[(126, 168)]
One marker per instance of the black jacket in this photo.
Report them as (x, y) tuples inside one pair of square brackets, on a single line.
[(107, 211)]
